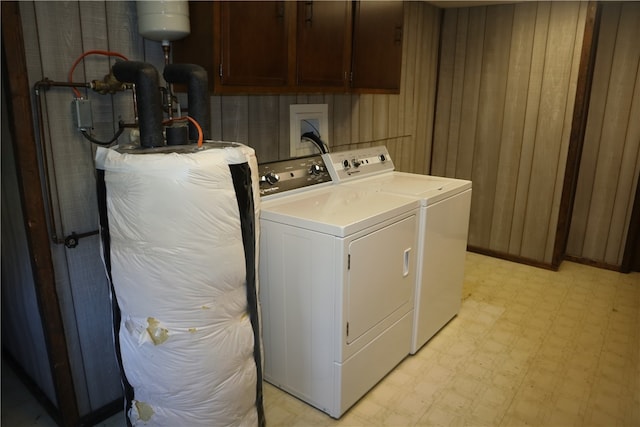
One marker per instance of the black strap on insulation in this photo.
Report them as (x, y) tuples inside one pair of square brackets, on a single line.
[(241, 175), (115, 309)]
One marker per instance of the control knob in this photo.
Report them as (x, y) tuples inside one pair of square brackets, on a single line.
[(315, 170), (382, 158), (346, 164), (270, 178), (356, 163)]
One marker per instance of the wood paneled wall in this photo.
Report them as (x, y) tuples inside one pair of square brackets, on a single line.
[(57, 32), (610, 162), (503, 118)]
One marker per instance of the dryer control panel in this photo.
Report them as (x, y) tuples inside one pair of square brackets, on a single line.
[(345, 165), (287, 175)]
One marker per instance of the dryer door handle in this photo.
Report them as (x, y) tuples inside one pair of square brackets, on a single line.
[(405, 267)]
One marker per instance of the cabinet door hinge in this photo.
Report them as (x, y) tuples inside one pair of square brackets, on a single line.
[(351, 77), (220, 70)]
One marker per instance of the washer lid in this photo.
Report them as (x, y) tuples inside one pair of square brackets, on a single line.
[(429, 189), (336, 210)]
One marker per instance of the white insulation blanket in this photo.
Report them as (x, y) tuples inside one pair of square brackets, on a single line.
[(178, 271)]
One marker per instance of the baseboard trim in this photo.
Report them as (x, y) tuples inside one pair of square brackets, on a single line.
[(592, 263), (513, 258)]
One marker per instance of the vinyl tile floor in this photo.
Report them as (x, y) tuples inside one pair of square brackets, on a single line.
[(529, 347)]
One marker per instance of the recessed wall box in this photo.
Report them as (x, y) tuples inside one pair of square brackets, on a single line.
[(305, 118)]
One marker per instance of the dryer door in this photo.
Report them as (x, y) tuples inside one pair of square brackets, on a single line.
[(381, 278)]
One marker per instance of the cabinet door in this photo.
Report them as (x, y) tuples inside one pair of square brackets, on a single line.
[(323, 48), (377, 46), (254, 43)]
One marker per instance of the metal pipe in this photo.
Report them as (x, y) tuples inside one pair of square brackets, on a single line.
[(135, 105), (41, 143), (46, 83), (166, 49)]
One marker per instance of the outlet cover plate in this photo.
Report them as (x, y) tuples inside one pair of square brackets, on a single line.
[(307, 118)]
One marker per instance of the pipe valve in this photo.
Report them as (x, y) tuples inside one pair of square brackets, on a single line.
[(109, 84)]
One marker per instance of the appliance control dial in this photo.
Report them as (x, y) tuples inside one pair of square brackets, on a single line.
[(382, 158), (270, 178), (315, 169), (346, 164), (356, 163)]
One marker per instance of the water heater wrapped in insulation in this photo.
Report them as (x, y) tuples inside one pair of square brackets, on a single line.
[(179, 244)]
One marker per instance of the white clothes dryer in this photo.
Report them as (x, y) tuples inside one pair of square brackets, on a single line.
[(443, 229), (337, 274)]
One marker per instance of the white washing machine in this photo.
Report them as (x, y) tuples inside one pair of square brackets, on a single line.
[(337, 275), (443, 228)]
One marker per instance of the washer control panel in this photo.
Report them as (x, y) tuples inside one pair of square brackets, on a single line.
[(286, 175), (345, 165)]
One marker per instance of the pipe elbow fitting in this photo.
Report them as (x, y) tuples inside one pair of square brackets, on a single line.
[(195, 77), (146, 79)]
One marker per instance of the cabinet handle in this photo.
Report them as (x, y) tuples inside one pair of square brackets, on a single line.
[(398, 34), (309, 12)]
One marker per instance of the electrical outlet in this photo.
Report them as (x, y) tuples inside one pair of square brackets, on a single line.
[(305, 118)]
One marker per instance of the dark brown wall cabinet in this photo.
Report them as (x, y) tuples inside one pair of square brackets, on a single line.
[(304, 46), (253, 40), (323, 44), (377, 46)]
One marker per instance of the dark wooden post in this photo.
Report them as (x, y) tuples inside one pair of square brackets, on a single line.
[(23, 136)]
